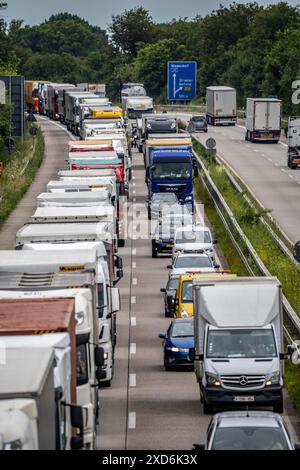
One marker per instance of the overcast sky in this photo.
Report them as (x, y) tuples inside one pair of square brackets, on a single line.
[(99, 12)]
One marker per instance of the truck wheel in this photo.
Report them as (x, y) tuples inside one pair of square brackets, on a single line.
[(279, 407), (140, 148), (207, 408), (149, 215), (154, 253), (106, 384), (167, 314)]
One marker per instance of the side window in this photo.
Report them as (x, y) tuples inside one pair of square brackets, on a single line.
[(2, 92)]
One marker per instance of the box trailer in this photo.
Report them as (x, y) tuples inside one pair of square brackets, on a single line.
[(263, 120), (221, 105)]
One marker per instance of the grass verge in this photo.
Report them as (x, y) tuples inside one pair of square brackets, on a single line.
[(276, 261), (19, 172)]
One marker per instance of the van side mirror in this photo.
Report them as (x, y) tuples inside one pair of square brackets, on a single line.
[(215, 241), (163, 290), (169, 266), (162, 335), (99, 356)]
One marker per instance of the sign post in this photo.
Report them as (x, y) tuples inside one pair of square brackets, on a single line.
[(182, 81)]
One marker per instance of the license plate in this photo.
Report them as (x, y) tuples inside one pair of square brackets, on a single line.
[(267, 136), (169, 245), (243, 399)]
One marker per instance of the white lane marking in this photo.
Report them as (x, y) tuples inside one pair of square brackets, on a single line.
[(133, 184), (270, 160), (255, 150), (134, 199), (133, 321), (284, 171), (133, 192), (283, 144), (132, 420), (132, 348), (133, 177), (276, 164), (133, 299), (241, 127), (133, 265), (134, 251), (291, 176), (132, 380), (134, 281)]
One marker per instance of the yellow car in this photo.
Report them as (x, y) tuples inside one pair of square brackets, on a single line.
[(184, 306)]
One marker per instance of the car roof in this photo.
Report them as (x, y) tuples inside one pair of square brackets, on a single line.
[(193, 228), (183, 320), (192, 255), (248, 419)]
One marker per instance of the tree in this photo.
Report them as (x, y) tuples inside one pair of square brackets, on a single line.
[(151, 64), (129, 29)]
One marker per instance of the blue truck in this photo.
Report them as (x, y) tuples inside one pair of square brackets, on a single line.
[(171, 170)]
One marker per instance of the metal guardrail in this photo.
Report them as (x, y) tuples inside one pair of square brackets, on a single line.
[(245, 249)]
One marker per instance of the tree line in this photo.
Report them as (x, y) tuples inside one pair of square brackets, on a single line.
[(252, 48)]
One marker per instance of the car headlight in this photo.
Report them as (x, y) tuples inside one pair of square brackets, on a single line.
[(189, 198), (184, 313), (173, 125), (212, 379), (273, 379), (13, 445), (79, 317), (173, 349), (149, 126), (105, 355)]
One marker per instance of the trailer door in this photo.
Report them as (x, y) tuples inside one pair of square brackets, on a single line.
[(260, 115), (273, 115)]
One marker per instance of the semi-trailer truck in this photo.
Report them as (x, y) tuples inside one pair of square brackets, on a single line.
[(293, 151), (221, 105), (263, 120)]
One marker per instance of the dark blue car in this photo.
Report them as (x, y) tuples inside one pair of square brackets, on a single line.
[(177, 342)]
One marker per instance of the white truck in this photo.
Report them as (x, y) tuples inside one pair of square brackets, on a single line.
[(263, 120), (71, 108), (239, 342), (135, 106), (221, 105), (74, 197), (293, 135)]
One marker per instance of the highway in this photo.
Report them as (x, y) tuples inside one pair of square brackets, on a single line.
[(263, 168), (146, 407)]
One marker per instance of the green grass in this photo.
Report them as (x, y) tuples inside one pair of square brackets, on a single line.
[(16, 178), (266, 247)]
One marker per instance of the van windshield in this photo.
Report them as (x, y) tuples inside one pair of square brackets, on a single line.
[(241, 343), (192, 236)]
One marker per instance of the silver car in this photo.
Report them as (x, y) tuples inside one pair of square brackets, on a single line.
[(247, 430)]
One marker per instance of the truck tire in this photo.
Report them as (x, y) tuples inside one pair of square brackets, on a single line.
[(140, 148), (207, 408), (279, 407), (154, 253), (167, 368), (149, 214), (121, 242)]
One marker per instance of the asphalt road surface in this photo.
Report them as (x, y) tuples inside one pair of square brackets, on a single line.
[(263, 167)]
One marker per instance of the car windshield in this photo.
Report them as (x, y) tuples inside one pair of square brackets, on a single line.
[(241, 343), (172, 171), (198, 118), (173, 283), (193, 262), (249, 438), (164, 197), (187, 291), (192, 236), (183, 329)]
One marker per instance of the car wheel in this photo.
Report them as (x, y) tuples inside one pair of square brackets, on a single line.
[(207, 408), (154, 253), (167, 368), (205, 130)]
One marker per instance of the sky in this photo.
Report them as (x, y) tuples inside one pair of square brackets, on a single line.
[(99, 12)]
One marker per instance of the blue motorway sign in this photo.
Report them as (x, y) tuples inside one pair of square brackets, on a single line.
[(182, 80)]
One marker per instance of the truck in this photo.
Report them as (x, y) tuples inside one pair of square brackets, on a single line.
[(136, 106), (98, 89), (61, 100), (92, 370), (221, 105), (158, 143), (171, 170), (23, 326), (158, 124), (85, 198), (293, 135), (53, 111), (263, 120), (238, 342), (131, 89), (32, 88)]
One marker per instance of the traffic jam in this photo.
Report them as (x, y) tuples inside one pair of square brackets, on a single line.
[(59, 289)]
